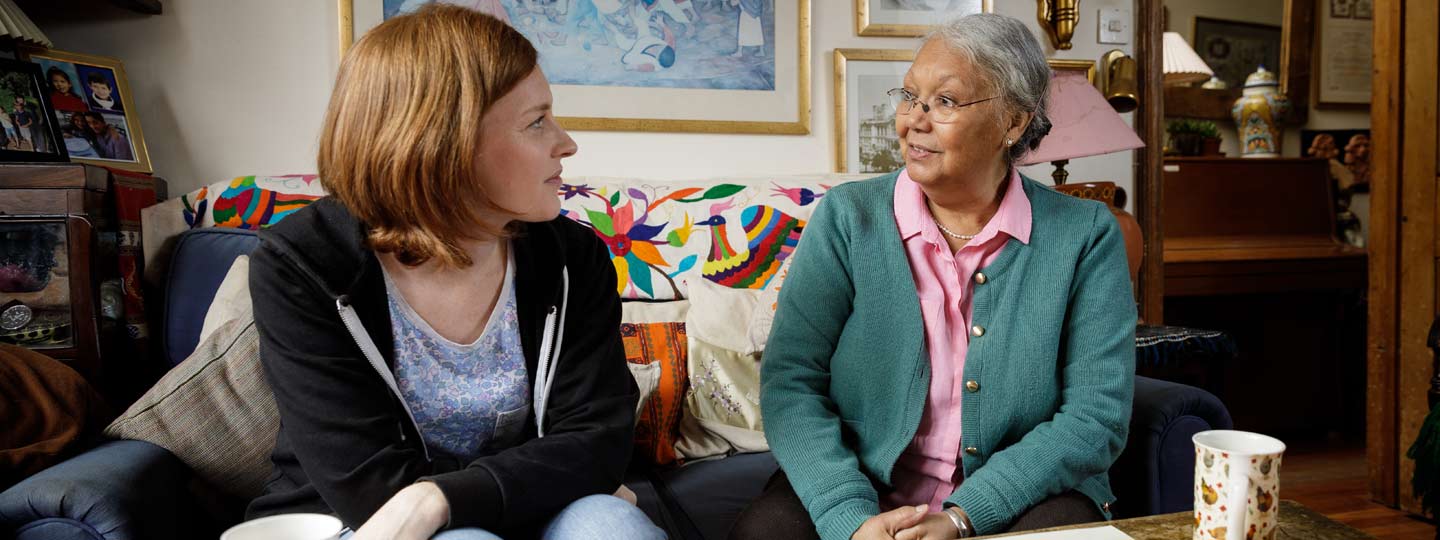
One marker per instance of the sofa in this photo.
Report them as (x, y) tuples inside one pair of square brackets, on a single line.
[(131, 489)]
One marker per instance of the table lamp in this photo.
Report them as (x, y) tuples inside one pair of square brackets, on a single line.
[(1082, 124), (1182, 65)]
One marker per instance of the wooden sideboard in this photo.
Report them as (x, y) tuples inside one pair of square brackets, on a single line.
[(1236, 226), (1250, 248)]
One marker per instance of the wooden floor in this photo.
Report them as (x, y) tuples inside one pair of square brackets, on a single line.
[(1332, 481)]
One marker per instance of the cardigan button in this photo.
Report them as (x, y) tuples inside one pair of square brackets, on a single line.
[(980, 278), (972, 386), (972, 450), (977, 330), (1106, 506)]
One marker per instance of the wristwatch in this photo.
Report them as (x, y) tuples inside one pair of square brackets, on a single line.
[(961, 521), (14, 315)]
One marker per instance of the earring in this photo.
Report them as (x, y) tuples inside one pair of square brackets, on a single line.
[(1009, 142)]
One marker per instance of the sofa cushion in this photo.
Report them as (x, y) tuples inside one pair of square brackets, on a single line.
[(214, 411), (232, 298), (198, 265), (654, 338)]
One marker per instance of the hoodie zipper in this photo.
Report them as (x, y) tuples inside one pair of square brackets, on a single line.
[(550, 346), (372, 353)]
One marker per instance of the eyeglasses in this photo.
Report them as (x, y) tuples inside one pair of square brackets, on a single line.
[(943, 110)]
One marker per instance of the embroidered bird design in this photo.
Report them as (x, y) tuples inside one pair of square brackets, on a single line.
[(771, 237), (800, 196)]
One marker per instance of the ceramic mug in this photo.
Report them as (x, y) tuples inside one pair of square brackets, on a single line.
[(287, 527), (1237, 485)]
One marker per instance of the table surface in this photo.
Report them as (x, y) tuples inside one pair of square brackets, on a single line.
[(1296, 523)]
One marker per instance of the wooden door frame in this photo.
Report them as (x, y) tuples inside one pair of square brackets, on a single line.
[(1382, 447), (1149, 161)]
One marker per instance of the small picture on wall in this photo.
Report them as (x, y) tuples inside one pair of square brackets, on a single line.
[(93, 109), (866, 141), (910, 18), (27, 132)]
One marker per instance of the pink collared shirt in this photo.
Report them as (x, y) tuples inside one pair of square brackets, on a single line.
[(926, 472)]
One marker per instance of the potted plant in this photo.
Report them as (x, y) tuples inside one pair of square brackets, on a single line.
[(1192, 137)]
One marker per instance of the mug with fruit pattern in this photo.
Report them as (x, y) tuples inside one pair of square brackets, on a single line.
[(1237, 485)]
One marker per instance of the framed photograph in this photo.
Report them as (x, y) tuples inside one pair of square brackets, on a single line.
[(909, 18), (1344, 60), (1234, 49), (92, 107), (731, 66), (26, 131), (865, 139)]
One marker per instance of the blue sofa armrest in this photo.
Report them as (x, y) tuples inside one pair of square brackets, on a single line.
[(1155, 473), (120, 490)]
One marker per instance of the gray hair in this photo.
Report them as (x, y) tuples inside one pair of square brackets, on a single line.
[(1011, 59)]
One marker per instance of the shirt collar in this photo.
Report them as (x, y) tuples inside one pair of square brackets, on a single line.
[(912, 215)]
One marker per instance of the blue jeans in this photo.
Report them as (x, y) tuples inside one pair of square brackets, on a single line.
[(595, 517)]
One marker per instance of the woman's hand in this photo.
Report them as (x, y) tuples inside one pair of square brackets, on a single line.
[(935, 526), (885, 526), (415, 513)]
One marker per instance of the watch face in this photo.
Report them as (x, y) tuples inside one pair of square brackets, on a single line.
[(15, 317)]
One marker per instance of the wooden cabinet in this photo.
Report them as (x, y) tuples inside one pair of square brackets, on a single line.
[(61, 242)]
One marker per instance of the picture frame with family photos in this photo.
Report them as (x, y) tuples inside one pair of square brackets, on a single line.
[(26, 133), (92, 109)]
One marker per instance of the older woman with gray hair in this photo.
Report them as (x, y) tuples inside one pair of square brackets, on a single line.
[(953, 352)]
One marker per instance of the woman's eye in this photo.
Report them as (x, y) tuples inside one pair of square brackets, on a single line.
[(538, 122), (945, 102)]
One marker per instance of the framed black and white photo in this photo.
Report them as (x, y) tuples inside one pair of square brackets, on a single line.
[(865, 139), (910, 18)]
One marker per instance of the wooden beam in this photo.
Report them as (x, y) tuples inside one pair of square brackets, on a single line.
[(1149, 160), (1382, 449), (1297, 44), (1417, 229)]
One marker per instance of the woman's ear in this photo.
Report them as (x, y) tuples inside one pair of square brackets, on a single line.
[(1018, 123)]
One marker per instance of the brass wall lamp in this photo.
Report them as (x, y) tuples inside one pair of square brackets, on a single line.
[(1117, 80), (1059, 18)]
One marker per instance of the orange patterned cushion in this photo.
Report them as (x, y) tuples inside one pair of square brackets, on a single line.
[(659, 422)]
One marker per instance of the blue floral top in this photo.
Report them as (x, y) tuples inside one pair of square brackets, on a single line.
[(470, 399)]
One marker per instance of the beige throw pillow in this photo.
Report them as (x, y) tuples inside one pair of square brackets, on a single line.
[(722, 407), (232, 298), (214, 411)]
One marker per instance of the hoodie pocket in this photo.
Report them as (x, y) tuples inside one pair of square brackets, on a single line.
[(508, 426)]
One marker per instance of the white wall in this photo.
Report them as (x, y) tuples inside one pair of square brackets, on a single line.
[(225, 88), (1272, 12)]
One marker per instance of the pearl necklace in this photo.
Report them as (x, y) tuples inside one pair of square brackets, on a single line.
[(952, 234)]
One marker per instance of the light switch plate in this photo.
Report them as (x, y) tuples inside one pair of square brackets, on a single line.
[(1115, 26)]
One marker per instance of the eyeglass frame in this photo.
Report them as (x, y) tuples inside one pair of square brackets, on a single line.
[(915, 99)]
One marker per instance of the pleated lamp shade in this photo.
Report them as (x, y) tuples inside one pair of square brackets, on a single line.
[(1182, 65), (14, 24)]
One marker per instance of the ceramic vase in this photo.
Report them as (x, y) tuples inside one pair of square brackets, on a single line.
[(1258, 115)]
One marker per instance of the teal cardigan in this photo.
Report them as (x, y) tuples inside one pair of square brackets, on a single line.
[(845, 372)]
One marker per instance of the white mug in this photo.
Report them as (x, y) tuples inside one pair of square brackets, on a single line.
[(287, 527), (1237, 485)]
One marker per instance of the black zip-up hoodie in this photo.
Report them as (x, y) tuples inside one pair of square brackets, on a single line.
[(347, 441)]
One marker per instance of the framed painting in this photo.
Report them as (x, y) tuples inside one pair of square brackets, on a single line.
[(734, 66), (1234, 49), (865, 138), (909, 18), (93, 109), (28, 130)]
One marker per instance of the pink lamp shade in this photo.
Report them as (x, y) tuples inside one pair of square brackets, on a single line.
[(1083, 123)]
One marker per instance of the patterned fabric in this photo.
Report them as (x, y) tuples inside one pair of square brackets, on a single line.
[(249, 202), (738, 233), (663, 343), (465, 398)]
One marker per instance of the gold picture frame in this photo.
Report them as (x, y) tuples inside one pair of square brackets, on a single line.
[(800, 125), (125, 121), (843, 57), (1087, 66), (865, 27)]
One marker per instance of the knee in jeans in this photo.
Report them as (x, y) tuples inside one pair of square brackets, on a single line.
[(599, 516)]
